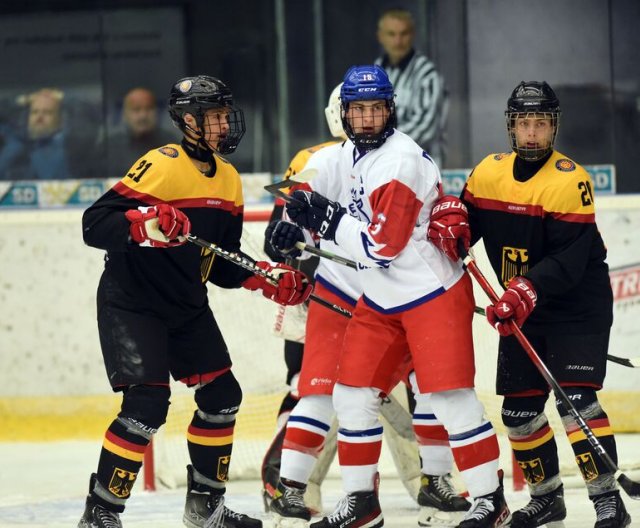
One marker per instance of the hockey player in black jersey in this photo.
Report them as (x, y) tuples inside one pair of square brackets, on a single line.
[(154, 318), (534, 210)]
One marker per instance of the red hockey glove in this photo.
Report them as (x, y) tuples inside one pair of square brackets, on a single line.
[(516, 304), (283, 237), (161, 225), (449, 223), (292, 286), (313, 211)]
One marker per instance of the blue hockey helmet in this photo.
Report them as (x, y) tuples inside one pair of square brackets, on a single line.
[(367, 83)]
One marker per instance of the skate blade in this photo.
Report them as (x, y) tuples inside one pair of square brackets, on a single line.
[(555, 524), (433, 517)]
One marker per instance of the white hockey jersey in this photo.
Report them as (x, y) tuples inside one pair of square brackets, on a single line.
[(388, 193), (339, 278)]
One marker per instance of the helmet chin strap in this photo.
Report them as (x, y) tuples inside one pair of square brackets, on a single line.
[(199, 150)]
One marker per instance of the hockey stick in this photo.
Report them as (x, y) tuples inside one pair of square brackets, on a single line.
[(631, 487), (250, 265), (327, 255), (627, 362), (276, 189)]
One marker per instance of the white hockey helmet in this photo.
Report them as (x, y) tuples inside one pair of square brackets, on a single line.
[(333, 114)]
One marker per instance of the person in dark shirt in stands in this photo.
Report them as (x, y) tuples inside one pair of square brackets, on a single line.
[(139, 134), (39, 150)]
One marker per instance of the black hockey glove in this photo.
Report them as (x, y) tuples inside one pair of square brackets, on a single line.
[(283, 237), (313, 211)]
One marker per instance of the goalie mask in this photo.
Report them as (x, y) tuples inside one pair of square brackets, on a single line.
[(533, 116), (333, 114), (196, 95), (367, 83)]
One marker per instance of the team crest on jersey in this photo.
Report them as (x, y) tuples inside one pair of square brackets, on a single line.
[(500, 156), (169, 151), (223, 468), (587, 466), (185, 86), (565, 165), (515, 261), (532, 470), (121, 482)]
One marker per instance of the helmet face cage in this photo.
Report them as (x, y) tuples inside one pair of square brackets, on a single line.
[(367, 83), (196, 95), (532, 100)]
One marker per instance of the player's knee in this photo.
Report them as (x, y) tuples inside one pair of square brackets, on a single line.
[(220, 397), (458, 410), (357, 407), (584, 399), (319, 407), (146, 406), (523, 415)]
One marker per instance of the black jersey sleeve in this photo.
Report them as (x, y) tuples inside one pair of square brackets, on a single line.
[(104, 225)]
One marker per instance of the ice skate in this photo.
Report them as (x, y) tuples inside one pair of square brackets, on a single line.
[(487, 511), (439, 504), (543, 510), (610, 511), (288, 508), (205, 509), (360, 509), (96, 516)]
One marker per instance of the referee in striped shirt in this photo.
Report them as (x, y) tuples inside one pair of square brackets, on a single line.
[(421, 99)]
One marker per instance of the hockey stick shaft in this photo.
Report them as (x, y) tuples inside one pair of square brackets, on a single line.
[(627, 362), (327, 255), (251, 266), (629, 486)]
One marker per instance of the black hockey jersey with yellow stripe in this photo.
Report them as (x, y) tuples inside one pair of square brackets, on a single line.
[(169, 281), (544, 229)]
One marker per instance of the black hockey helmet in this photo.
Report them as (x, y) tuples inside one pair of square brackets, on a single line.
[(196, 95), (537, 99)]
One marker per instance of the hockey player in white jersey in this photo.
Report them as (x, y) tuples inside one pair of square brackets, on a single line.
[(414, 298), (311, 419)]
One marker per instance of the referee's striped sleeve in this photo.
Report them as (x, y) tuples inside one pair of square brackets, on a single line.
[(422, 117)]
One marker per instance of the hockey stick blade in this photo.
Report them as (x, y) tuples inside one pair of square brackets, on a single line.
[(627, 362), (631, 487), (304, 176)]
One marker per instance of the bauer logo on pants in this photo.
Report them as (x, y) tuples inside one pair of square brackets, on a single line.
[(587, 466), (122, 482), (223, 468), (532, 470), (515, 261)]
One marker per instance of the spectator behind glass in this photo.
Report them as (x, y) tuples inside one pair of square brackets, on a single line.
[(39, 149), (421, 99), (139, 133)]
